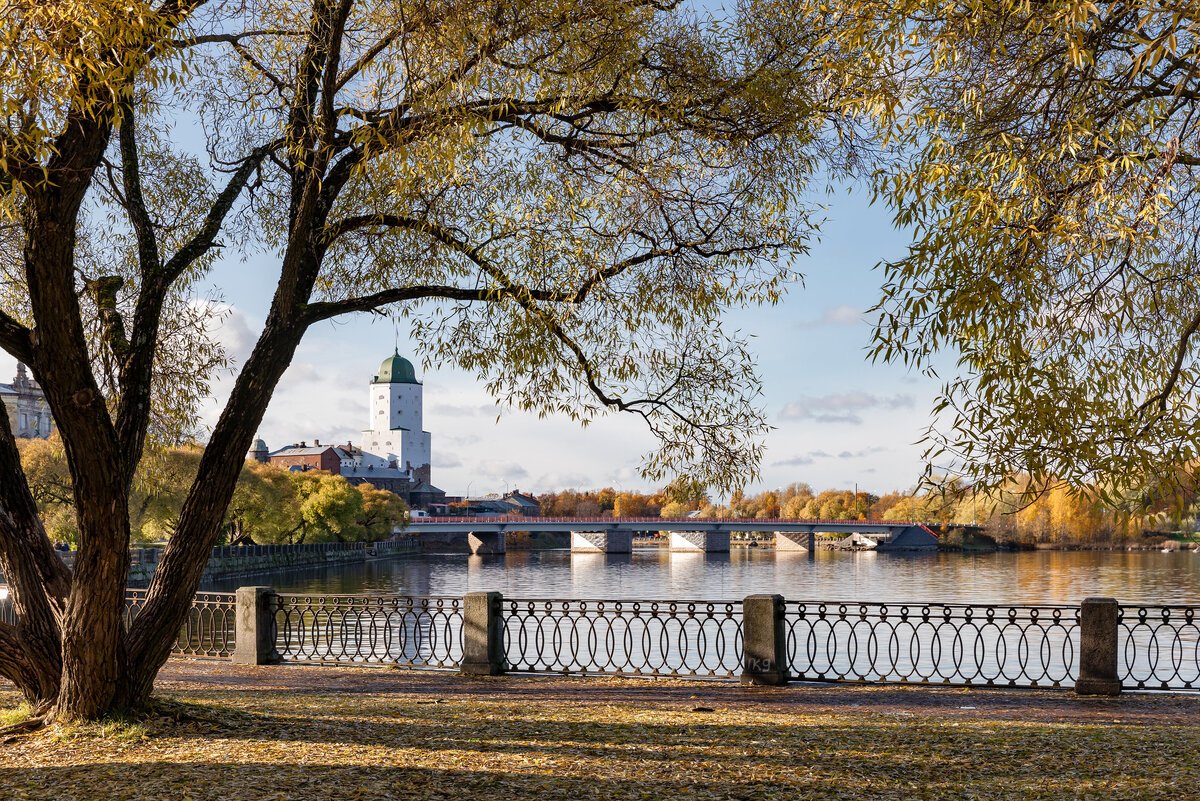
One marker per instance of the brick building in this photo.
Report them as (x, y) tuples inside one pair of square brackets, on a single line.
[(305, 457)]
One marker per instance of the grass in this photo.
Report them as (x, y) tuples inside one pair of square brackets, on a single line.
[(511, 745)]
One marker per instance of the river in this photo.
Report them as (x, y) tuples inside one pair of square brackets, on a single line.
[(1029, 577)]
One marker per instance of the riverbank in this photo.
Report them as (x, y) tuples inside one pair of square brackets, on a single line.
[(299, 733)]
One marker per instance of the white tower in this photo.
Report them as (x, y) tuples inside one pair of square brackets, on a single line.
[(395, 433)]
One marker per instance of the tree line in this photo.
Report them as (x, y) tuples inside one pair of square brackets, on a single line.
[(270, 505), (1059, 515)]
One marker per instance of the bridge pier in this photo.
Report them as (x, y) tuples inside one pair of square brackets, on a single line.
[(796, 541), (601, 542), (486, 542), (700, 541)]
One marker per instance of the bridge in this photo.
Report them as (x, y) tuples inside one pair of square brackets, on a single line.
[(486, 535)]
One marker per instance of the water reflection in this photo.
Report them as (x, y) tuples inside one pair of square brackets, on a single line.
[(1028, 577)]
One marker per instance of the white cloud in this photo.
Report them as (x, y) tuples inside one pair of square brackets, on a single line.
[(458, 410), (446, 460), (842, 408), (509, 471), (795, 461), (834, 315)]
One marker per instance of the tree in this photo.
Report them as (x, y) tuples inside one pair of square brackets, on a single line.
[(1051, 181), (382, 511), (562, 197)]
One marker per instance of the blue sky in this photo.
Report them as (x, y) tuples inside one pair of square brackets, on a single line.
[(837, 418)]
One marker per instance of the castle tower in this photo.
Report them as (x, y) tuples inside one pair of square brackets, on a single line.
[(395, 433), (259, 452)]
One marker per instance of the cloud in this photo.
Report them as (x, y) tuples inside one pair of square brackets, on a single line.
[(843, 408), (459, 439), (812, 456), (505, 471), (558, 479), (353, 407), (301, 372), (446, 460), (795, 461), (455, 410), (834, 315), (231, 327), (860, 454)]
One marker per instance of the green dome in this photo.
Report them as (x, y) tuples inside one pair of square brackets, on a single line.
[(396, 370)]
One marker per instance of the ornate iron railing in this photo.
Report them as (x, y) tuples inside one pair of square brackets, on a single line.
[(634, 638), (209, 630), (419, 632), (1011, 646), (1158, 647)]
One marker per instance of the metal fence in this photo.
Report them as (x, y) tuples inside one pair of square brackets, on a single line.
[(1158, 647), (956, 644), (417, 632), (634, 638), (209, 630)]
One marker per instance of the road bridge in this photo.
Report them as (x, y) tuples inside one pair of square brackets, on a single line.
[(486, 534)]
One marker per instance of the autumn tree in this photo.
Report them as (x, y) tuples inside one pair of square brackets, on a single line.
[(1050, 176), (562, 197)]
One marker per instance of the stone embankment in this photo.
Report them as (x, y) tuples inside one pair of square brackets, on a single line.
[(241, 561)]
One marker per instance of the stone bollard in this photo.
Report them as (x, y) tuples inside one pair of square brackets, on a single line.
[(764, 641), (1098, 648), (254, 627), (483, 634)]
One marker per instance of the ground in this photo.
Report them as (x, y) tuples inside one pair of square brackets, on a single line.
[(293, 732)]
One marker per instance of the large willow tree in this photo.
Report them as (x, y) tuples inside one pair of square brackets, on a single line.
[(1052, 181), (562, 195)]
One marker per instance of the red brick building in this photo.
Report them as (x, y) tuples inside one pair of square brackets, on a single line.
[(305, 457)]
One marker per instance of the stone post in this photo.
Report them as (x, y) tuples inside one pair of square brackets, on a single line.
[(483, 634), (254, 627), (764, 641), (1098, 648)]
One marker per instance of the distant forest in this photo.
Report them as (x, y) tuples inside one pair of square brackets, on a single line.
[(1057, 515)]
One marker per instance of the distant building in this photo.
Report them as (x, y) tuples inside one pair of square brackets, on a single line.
[(28, 412), (304, 457), (513, 503), (522, 503), (396, 424), (259, 452), (395, 450)]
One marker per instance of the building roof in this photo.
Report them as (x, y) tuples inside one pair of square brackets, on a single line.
[(370, 471), (396, 370), (424, 486), (7, 389), (259, 445), (297, 451)]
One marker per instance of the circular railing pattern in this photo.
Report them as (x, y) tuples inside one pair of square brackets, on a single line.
[(1158, 647), (634, 638), (209, 630), (1011, 646), (411, 631)]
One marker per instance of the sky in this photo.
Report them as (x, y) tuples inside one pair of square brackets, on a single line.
[(838, 420)]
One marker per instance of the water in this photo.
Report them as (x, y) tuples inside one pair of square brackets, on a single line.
[(1030, 577)]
